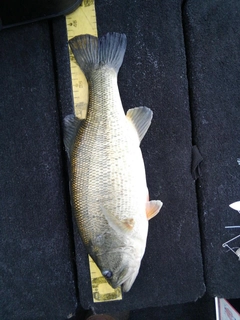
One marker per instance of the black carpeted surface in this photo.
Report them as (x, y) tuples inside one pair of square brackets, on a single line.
[(184, 65), (14, 12), (213, 55), (202, 309), (37, 280)]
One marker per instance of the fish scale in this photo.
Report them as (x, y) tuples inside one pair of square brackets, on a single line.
[(104, 163)]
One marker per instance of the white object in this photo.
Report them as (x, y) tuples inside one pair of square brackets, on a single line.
[(225, 311), (235, 206)]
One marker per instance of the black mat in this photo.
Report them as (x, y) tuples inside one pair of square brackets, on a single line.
[(37, 280), (154, 74), (14, 12), (202, 309), (213, 55), (171, 56)]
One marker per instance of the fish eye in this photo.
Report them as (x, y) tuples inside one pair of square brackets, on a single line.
[(107, 273)]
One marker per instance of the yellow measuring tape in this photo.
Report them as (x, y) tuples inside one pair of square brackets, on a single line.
[(101, 290), (83, 21)]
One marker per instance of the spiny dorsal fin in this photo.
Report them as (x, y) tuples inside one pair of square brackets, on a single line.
[(141, 118), (152, 208), (71, 126)]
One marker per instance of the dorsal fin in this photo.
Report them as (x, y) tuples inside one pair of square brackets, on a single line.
[(71, 126), (141, 118)]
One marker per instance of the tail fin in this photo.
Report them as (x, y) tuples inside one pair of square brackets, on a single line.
[(92, 53)]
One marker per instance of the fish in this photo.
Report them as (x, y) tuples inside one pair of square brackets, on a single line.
[(108, 188)]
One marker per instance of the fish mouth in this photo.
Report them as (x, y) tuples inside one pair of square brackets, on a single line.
[(127, 280), (124, 275), (127, 284)]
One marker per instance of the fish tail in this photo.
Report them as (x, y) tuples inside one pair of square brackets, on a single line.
[(92, 53)]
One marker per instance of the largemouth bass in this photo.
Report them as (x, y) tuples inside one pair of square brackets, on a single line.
[(108, 184)]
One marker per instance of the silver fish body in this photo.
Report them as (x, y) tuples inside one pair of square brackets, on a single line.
[(108, 182)]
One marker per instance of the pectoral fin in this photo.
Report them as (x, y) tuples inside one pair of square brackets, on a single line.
[(152, 208), (120, 226), (141, 119)]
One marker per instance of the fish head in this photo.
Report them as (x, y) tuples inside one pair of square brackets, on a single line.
[(120, 266), (119, 251)]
